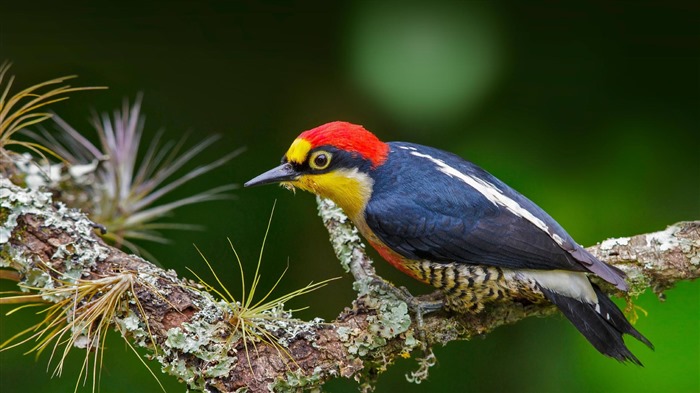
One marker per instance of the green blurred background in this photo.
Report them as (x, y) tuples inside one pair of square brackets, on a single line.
[(588, 108)]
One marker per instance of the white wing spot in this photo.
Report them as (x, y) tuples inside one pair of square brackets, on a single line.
[(597, 308), (491, 192), (408, 148), (557, 239)]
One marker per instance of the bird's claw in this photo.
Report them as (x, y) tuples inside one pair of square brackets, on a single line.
[(418, 306)]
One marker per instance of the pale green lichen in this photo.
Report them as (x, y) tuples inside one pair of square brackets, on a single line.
[(411, 341), (664, 240), (391, 319), (223, 323), (184, 372), (222, 368), (149, 275), (37, 278), (297, 381), (344, 333), (131, 322), (5, 233), (187, 341), (610, 243), (203, 341), (695, 260), (37, 176), (425, 363), (202, 336), (78, 256), (206, 337), (668, 239), (345, 238), (15, 202)]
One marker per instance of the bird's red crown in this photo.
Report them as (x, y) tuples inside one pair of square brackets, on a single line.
[(349, 137)]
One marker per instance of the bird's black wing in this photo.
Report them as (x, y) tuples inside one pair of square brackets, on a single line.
[(433, 205), (420, 229)]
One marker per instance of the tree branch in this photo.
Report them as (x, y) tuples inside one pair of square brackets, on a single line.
[(193, 336)]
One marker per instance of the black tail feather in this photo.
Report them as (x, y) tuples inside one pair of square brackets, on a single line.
[(603, 324)]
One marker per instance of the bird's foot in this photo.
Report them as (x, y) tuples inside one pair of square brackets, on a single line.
[(418, 305)]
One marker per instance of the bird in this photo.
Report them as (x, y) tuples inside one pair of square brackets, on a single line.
[(448, 223)]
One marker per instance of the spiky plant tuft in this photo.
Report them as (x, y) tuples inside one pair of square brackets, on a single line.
[(24, 109), (257, 320), (79, 316), (124, 192)]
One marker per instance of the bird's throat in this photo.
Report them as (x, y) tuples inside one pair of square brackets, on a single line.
[(350, 189)]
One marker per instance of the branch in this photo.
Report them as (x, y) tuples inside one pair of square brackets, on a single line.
[(193, 336)]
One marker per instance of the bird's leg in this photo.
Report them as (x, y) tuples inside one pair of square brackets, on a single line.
[(415, 304)]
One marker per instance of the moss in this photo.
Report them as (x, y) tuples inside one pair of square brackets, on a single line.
[(4, 214), (638, 283)]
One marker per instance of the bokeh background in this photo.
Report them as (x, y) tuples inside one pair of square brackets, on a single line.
[(591, 109)]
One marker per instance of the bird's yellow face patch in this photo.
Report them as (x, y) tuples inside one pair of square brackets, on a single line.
[(348, 188), (298, 151)]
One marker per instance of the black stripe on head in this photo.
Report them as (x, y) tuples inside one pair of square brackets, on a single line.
[(339, 159)]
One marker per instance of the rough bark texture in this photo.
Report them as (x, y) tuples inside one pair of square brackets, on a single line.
[(193, 332)]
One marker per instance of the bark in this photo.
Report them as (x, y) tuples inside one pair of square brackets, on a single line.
[(194, 334)]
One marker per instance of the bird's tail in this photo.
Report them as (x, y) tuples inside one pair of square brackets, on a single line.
[(602, 324)]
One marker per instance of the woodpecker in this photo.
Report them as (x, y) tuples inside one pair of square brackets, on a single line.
[(448, 223)]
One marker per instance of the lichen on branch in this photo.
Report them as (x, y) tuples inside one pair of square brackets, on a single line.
[(189, 332)]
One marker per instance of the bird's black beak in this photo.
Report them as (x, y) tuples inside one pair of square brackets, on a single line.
[(284, 172)]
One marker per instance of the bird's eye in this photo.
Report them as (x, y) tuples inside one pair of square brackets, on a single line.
[(320, 160)]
